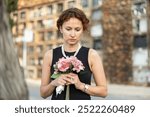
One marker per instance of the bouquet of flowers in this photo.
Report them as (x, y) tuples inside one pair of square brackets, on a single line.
[(64, 66)]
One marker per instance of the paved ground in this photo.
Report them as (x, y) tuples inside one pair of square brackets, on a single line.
[(115, 92)]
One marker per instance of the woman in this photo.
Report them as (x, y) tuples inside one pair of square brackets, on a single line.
[(71, 23)]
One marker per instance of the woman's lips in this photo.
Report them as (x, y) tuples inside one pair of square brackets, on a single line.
[(72, 39)]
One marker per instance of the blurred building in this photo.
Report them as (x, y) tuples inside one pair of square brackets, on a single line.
[(35, 29), (37, 19), (141, 39), (126, 40)]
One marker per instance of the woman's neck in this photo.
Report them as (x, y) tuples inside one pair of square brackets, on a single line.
[(71, 48)]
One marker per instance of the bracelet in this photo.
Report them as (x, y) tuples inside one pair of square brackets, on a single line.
[(86, 87)]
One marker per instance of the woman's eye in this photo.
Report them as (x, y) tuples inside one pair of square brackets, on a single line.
[(68, 29), (77, 29)]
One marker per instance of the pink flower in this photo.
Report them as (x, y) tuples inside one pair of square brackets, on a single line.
[(63, 64), (66, 65), (69, 64), (77, 65)]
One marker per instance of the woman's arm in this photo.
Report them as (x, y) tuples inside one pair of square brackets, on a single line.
[(46, 87), (97, 69)]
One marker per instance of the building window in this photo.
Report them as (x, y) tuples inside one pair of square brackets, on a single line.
[(40, 24), (49, 9), (59, 7), (139, 9), (71, 4), (97, 44), (40, 61), (84, 3), (35, 13), (41, 36), (39, 11), (39, 49), (97, 30), (48, 35), (48, 23), (140, 41), (22, 15), (97, 14), (140, 25), (43, 11), (97, 3)]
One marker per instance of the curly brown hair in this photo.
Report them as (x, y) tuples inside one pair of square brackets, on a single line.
[(73, 13)]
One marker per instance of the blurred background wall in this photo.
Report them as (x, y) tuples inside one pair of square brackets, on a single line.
[(119, 31)]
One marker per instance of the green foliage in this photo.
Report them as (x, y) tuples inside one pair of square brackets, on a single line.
[(55, 75), (11, 22), (11, 5)]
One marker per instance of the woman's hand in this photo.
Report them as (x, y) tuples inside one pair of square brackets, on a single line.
[(74, 79), (61, 80), (67, 79)]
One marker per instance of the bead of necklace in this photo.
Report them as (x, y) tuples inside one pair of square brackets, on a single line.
[(63, 51)]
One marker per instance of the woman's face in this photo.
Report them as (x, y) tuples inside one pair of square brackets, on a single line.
[(72, 31)]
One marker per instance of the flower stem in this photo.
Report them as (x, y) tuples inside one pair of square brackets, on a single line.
[(67, 92)]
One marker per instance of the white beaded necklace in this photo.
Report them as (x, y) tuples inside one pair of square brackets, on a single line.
[(63, 51)]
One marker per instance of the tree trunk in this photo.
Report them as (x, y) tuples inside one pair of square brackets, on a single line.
[(12, 82), (148, 36), (117, 40)]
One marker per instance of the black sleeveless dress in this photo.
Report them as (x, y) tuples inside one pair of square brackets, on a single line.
[(84, 77)]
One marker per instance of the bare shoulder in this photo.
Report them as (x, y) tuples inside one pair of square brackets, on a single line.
[(93, 54), (48, 56), (94, 58)]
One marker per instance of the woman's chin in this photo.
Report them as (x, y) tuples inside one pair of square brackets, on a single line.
[(72, 42)]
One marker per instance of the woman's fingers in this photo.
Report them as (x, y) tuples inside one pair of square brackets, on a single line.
[(67, 79), (63, 81), (59, 81), (72, 78), (68, 83)]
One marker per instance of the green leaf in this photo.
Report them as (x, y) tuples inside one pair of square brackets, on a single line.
[(55, 75)]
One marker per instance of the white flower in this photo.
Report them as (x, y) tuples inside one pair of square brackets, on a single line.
[(59, 89)]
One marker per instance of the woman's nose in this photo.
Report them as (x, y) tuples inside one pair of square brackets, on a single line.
[(72, 33)]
